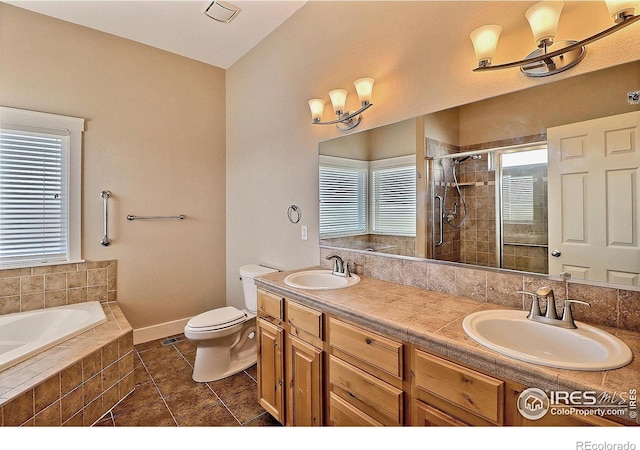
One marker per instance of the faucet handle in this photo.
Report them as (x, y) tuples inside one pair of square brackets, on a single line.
[(567, 315), (535, 304)]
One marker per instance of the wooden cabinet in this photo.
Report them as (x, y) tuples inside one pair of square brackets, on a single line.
[(304, 383), (270, 368), (319, 370), (290, 360), (444, 389), (365, 377)]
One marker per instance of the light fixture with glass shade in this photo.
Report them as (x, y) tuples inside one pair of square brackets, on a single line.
[(552, 56), (345, 120)]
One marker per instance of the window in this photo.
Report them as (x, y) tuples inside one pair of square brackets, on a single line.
[(40, 188), (518, 184), (393, 196), (343, 197)]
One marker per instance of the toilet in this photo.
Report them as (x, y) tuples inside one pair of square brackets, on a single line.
[(225, 338)]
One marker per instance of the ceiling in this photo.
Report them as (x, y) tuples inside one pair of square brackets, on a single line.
[(179, 27)]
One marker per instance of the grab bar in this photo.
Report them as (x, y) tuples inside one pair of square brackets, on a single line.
[(440, 215), (132, 217), (105, 209)]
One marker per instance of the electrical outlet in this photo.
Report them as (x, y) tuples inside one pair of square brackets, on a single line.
[(303, 232)]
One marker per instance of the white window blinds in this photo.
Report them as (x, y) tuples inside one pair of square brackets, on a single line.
[(393, 196), (39, 215), (343, 197), (517, 199)]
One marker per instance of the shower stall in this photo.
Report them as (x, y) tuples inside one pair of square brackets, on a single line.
[(489, 207)]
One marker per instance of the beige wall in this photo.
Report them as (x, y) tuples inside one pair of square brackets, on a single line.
[(421, 58), (155, 137)]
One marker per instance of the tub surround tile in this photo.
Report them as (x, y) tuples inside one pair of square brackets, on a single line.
[(55, 282), (55, 298), (77, 279), (9, 305), (32, 288), (46, 393), (75, 382)]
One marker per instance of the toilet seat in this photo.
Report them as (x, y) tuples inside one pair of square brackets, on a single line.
[(216, 319)]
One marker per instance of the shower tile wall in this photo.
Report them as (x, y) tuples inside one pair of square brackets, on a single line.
[(475, 242), (450, 248), (478, 235)]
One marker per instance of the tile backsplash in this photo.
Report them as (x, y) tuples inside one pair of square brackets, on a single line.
[(33, 288), (610, 306)]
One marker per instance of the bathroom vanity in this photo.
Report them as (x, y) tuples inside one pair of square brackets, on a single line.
[(381, 353)]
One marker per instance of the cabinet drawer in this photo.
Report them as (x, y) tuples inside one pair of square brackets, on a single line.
[(428, 416), (371, 395), (342, 414), (270, 304), (305, 319), (380, 352), (473, 391)]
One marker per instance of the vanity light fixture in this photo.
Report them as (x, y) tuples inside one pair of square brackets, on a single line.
[(551, 57), (345, 120)]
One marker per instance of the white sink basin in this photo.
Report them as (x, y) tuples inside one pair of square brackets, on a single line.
[(512, 334), (320, 280)]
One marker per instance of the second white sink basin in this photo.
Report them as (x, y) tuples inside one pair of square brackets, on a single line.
[(320, 280), (512, 334)]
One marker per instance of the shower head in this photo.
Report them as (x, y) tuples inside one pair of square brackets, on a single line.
[(458, 161)]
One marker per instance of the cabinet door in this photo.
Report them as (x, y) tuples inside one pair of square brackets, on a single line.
[(304, 383), (428, 416), (270, 368)]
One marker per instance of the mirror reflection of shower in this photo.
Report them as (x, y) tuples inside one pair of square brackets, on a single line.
[(489, 206), (452, 217)]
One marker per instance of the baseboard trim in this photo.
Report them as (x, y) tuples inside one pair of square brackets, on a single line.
[(162, 330)]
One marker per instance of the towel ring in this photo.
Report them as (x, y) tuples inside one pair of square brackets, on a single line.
[(293, 213)]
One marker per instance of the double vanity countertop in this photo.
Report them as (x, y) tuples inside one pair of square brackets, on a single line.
[(432, 321)]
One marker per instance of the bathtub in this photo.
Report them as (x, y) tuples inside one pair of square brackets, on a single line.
[(23, 335)]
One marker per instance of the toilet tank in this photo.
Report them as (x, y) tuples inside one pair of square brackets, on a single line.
[(248, 273)]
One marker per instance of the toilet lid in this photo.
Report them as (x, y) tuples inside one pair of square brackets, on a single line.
[(218, 318)]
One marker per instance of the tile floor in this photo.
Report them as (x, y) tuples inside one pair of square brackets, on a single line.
[(166, 396)]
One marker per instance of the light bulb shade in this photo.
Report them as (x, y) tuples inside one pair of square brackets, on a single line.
[(618, 9), (338, 100), (485, 41), (364, 88), (317, 108), (543, 18)]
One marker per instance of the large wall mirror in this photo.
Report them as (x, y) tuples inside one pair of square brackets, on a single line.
[(543, 180)]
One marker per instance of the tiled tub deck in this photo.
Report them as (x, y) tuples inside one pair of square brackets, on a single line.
[(75, 382)]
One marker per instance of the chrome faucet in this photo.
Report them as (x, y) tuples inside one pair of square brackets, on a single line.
[(547, 294), (340, 268), (550, 316)]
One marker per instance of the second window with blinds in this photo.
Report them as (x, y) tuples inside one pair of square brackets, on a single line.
[(367, 197)]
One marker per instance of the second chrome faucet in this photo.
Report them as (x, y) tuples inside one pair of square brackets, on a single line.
[(340, 267), (550, 316)]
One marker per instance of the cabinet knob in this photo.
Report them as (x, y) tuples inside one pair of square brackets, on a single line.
[(556, 253)]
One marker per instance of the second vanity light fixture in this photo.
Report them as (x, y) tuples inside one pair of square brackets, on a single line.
[(345, 120), (551, 57)]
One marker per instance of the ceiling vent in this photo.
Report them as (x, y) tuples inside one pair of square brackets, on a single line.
[(221, 11)]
